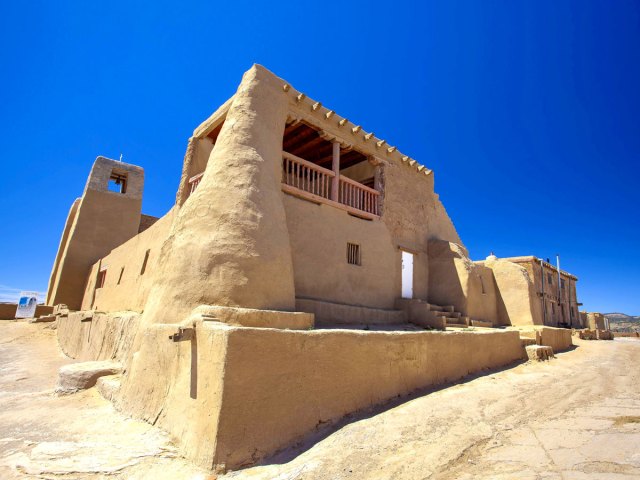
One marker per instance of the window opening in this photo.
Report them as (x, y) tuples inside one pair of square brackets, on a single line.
[(144, 262), (102, 277), (353, 254), (118, 182), (120, 276)]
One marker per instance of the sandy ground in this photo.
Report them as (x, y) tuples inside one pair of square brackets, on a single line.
[(574, 417), (77, 436)]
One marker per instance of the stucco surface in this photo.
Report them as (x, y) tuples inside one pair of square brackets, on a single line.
[(229, 243), (231, 395), (126, 287), (518, 301), (97, 336), (319, 236)]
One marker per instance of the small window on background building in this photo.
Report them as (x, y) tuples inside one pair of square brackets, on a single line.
[(144, 262), (353, 254), (120, 276), (482, 284), (549, 278), (562, 283)]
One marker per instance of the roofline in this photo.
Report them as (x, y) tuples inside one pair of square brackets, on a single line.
[(380, 147), (532, 258)]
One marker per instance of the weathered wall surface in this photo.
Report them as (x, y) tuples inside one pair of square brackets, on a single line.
[(518, 303), (98, 336), (179, 386), (595, 321), (64, 239), (233, 395), (126, 285), (557, 338), (319, 236), (229, 243), (455, 280)]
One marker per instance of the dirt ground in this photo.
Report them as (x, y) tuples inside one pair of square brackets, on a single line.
[(574, 417)]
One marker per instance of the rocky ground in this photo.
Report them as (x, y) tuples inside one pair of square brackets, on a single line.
[(574, 417)]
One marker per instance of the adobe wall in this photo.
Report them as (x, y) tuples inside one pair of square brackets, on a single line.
[(456, 280), (234, 395), (97, 336), (8, 310), (229, 243), (595, 321), (130, 290), (559, 339), (517, 302), (319, 236), (64, 239)]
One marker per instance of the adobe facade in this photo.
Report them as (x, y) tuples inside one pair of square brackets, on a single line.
[(290, 223)]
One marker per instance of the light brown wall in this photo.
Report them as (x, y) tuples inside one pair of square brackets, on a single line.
[(54, 278), (567, 299), (229, 243), (8, 310), (319, 236), (233, 395), (517, 302), (132, 292)]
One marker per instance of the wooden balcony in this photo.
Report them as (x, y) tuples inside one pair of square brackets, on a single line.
[(321, 185)]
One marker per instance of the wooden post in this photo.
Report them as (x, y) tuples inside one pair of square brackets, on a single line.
[(335, 182)]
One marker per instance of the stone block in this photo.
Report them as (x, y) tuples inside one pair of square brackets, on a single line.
[(80, 376)]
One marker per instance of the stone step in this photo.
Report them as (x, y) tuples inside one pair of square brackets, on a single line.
[(80, 376), (108, 386), (526, 341), (539, 352), (481, 323)]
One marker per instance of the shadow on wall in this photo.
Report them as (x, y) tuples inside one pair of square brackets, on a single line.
[(193, 385), (503, 315), (445, 284)]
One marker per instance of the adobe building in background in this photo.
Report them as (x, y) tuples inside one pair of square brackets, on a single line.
[(290, 223)]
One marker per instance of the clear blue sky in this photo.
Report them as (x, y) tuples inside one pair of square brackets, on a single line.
[(528, 112)]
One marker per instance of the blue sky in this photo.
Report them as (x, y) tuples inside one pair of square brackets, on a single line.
[(528, 112)]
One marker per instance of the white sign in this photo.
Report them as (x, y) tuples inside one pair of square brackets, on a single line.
[(27, 305)]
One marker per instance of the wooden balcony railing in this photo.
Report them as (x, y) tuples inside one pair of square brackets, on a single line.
[(306, 176), (194, 182), (357, 195), (312, 182)]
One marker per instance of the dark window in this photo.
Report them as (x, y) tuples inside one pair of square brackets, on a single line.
[(120, 276), (102, 277), (550, 278), (353, 254), (144, 262), (562, 283)]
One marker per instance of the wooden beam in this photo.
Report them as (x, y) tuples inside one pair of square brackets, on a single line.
[(335, 181)]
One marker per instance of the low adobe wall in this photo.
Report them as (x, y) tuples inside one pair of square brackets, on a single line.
[(8, 310), (626, 334), (97, 336), (231, 396), (559, 339)]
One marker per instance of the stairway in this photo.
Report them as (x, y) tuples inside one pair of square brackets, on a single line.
[(449, 316)]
